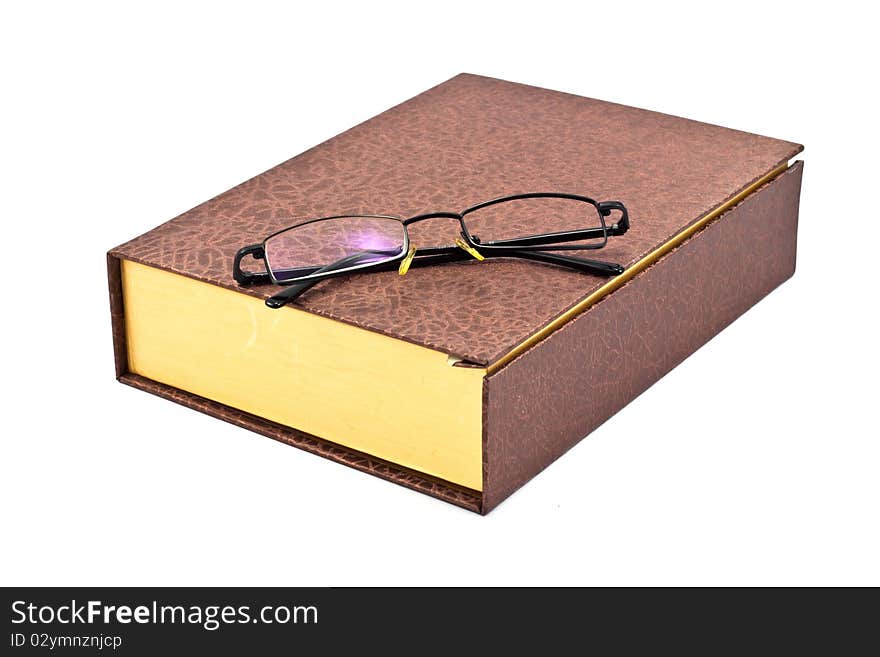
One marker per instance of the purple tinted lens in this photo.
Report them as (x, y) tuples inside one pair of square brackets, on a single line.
[(337, 244)]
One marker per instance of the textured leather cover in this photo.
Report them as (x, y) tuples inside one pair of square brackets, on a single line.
[(471, 139), (462, 142)]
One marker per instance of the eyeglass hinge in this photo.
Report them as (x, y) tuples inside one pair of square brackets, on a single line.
[(619, 227), (245, 277)]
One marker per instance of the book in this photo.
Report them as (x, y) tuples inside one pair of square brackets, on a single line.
[(462, 380)]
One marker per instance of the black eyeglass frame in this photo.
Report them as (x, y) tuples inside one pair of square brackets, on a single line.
[(534, 247)]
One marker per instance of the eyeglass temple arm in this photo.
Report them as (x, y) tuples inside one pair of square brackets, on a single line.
[(338, 268), (243, 277), (595, 267), (441, 255)]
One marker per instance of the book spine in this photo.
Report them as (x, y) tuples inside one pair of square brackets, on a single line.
[(549, 398), (117, 314)]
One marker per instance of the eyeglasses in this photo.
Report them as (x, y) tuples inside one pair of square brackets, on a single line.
[(312, 251)]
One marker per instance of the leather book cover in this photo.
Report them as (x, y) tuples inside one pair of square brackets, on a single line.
[(471, 139)]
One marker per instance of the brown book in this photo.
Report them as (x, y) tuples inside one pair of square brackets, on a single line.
[(466, 379)]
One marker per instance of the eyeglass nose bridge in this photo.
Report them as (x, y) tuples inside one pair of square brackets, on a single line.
[(435, 215), (463, 233)]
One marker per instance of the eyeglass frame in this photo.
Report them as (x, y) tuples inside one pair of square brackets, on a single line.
[(532, 247)]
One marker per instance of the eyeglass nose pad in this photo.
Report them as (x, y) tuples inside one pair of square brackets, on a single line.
[(460, 243), (407, 260)]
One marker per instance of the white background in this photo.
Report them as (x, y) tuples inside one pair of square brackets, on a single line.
[(754, 462)]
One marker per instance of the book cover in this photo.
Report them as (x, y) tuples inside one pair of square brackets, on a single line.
[(446, 379)]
